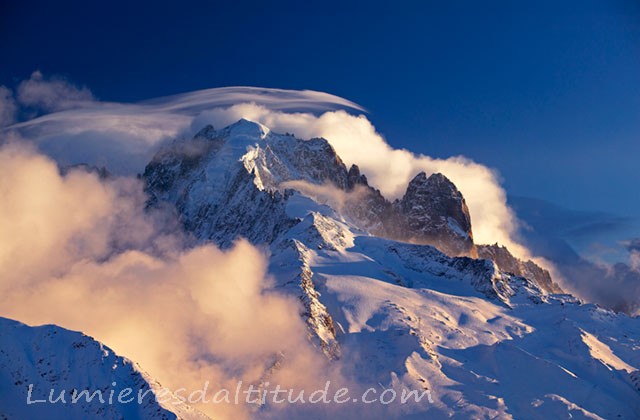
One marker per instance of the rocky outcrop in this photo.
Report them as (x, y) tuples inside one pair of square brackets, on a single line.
[(433, 212), (508, 263)]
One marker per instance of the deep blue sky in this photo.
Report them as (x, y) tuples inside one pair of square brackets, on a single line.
[(546, 92)]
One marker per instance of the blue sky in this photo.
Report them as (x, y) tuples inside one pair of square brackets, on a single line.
[(546, 92)]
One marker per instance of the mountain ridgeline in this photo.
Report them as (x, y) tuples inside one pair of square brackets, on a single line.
[(237, 181)]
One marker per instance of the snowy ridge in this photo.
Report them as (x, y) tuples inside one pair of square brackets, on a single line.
[(415, 318), (52, 358), (298, 279), (202, 176), (507, 262)]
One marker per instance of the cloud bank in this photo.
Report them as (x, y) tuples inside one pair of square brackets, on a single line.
[(81, 252), (581, 245), (38, 95), (633, 246)]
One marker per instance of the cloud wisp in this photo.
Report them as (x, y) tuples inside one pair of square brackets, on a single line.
[(633, 246), (52, 94)]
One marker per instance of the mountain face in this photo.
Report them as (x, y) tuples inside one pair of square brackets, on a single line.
[(236, 182), (213, 178), (217, 185), (394, 292), (36, 362), (434, 212)]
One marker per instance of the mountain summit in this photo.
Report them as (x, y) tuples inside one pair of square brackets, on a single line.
[(435, 212), (237, 181), (246, 164)]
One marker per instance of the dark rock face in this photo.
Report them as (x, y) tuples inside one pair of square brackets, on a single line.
[(508, 263), (354, 178), (434, 212), (438, 197)]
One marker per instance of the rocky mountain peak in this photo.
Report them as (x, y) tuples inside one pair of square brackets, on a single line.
[(207, 175), (207, 132), (436, 213), (246, 128), (437, 190), (233, 181), (354, 177)]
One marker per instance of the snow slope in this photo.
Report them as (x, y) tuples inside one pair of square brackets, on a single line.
[(51, 360), (409, 320)]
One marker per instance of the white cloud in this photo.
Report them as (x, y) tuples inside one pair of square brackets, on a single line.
[(8, 107), (52, 94)]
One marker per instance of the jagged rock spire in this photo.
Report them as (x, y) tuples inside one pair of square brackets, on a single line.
[(433, 211)]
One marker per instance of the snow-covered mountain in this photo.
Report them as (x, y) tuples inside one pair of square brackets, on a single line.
[(83, 378), (238, 181), (487, 336), (397, 292)]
